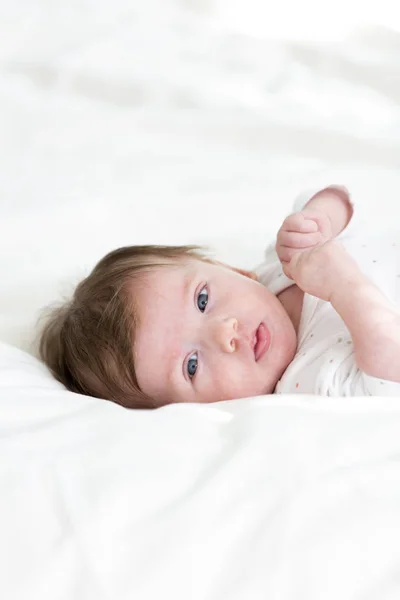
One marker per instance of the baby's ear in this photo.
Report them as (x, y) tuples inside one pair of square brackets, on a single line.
[(249, 274), (244, 272)]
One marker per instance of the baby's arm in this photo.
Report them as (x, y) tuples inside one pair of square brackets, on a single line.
[(322, 267), (374, 325), (330, 273)]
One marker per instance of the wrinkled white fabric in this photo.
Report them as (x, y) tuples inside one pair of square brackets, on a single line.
[(279, 497)]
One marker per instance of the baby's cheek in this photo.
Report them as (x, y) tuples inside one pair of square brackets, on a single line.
[(235, 377), (224, 387), (239, 384)]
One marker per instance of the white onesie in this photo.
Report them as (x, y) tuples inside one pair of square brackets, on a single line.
[(324, 362)]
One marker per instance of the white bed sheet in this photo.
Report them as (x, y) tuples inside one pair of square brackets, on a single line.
[(285, 498), (154, 123)]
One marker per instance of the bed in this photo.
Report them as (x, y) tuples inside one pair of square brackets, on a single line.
[(166, 123)]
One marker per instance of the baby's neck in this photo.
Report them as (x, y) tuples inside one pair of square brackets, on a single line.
[(292, 301)]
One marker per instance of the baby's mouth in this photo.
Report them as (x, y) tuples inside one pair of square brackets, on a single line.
[(261, 341)]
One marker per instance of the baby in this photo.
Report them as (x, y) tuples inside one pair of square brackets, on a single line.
[(153, 325)]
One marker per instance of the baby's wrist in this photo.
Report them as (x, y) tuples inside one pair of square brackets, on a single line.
[(349, 284), (344, 275)]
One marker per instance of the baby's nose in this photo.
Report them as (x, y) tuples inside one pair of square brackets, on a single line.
[(226, 334)]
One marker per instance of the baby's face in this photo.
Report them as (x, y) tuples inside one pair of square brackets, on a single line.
[(208, 333)]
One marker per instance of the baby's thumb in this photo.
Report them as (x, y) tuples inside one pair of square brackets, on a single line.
[(295, 259), (286, 269), (289, 268)]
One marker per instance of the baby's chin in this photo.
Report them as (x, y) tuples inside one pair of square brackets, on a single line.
[(284, 361)]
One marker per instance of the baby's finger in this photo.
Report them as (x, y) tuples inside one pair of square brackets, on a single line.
[(286, 254), (299, 223), (286, 269), (299, 240)]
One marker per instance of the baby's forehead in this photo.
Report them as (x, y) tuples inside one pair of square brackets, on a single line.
[(161, 277), (169, 281), (179, 264), (158, 297), (179, 272)]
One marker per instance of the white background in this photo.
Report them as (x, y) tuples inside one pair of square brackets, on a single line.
[(177, 121)]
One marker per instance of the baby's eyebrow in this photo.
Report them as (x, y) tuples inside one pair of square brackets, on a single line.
[(188, 280), (187, 284), (174, 362), (175, 377)]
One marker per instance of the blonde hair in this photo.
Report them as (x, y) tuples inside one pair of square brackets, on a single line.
[(87, 343)]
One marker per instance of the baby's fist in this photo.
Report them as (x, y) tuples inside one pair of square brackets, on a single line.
[(320, 271), (301, 231)]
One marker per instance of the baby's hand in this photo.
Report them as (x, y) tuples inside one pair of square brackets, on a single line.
[(301, 231), (322, 270)]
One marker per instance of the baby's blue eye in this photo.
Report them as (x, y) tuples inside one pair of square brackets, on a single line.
[(202, 299), (192, 365)]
